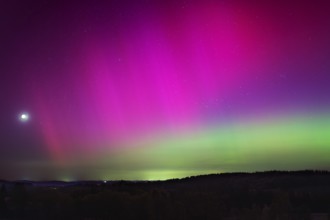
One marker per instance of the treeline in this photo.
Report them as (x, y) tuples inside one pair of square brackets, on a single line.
[(258, 196)]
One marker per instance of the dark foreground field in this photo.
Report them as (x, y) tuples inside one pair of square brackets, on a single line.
[(268, 195)]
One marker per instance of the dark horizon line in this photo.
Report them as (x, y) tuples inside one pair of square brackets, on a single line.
[(304, 171)]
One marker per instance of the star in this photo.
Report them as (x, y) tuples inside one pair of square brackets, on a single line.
[(24, 117)]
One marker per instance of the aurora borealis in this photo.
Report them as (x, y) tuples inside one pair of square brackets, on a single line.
[(163, 89)]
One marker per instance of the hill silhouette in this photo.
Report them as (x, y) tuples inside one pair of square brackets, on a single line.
[(261, 195)]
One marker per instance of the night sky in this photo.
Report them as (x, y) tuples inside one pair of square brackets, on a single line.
[(150, 89)]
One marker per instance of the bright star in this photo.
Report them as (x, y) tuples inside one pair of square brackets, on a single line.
[(24, 117)]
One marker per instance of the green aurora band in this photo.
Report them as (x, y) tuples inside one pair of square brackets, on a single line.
[(284, 143)]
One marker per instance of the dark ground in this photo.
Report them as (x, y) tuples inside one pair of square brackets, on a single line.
[(268, 195)]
